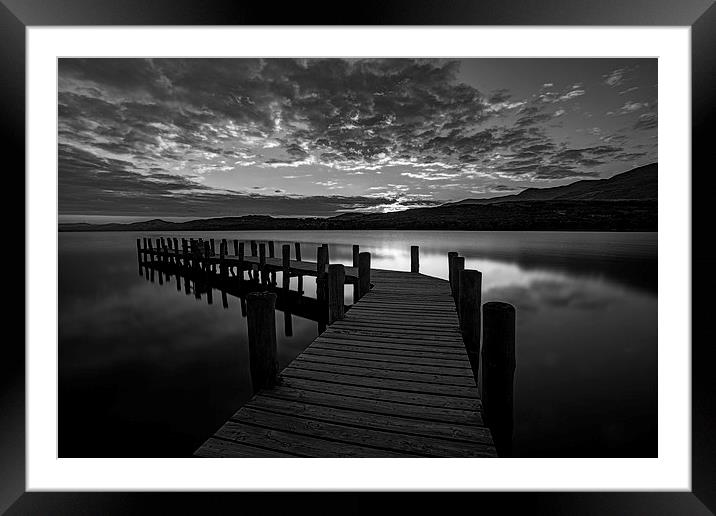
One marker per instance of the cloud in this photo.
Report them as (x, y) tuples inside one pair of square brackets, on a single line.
[(646, 121)]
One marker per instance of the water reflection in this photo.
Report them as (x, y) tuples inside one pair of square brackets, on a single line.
[(145, 358)]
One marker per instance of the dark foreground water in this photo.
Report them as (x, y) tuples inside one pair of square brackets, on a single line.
[(147, 371)]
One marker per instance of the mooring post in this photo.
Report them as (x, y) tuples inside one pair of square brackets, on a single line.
[(207, 257), (414, 258), (236, 247), (286, 263), (336, 282), (356, 252), (213, 249), (458, 265), (498, 369), (363, 273), (325, 246), (321, 260), (271, 250), (470, 315), (262, 263), (451, 255), (240, 267), (297, 246), (222, 259), (253, 248), (261, 323)]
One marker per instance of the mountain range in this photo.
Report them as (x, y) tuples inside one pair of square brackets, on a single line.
[(624, 202)]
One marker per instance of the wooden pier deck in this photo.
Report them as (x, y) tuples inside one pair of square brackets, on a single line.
[(391, 379)]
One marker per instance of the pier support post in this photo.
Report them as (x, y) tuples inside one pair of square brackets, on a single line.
[(262, 263), (139, 256), (356, 252), (297, 246), (336, 282), (470, 315), (458, 265), (253, 248), (222, 259), (240, 254), (207, 256), (236, 247), (414, 259), (271, 250), (261, 324), (498, 369), (213, 249), (286, 263), (363, 273), (321, 260), (450, 256), (325, 246)]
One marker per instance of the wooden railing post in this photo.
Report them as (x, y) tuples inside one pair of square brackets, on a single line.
[(297, 246), (470, 315), (261, 324), (414, 258), (498, 369), (286, 265), (271, 250), (336, 282), (328, 260), (356, 252), (450, 256), (321, 259), (321, 266), (363, 273)]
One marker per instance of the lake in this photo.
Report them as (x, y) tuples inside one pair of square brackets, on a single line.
[(147, 371)]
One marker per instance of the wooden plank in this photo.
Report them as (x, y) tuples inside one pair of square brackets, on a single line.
[(385, 422), (411, 398), (214, 447), (401, 359), (408, 345), (390, 442), (424, 367), (303, 392), (341, 377), (301, 444)]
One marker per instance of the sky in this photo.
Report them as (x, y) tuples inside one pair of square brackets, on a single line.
[(190, 138)]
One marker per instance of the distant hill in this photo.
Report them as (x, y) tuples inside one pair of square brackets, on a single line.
[(625, 202), (636, 184)]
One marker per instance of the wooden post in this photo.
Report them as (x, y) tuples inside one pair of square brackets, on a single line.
[(213, 249), (364, 273), (470, 315), (336, 282), (262, 262), (287, 323), (253, 248), (236, 247), (451, 255), (144, 240), (298, 251), (458, 265), (325, 246), (222, 259), (261, 323), (240, 254), (414, 258), (321, 260), (271, 249), (356, 252), (498, 369), (139, 256), (286, 259), (207, 256), (224, 299)]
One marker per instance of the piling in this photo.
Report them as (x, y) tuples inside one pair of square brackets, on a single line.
[(470, 289), (213, 249), (261, 323), (298, 251), (336, 282), (321, 259), (262, 263), (325, 246), (414, 259), (253, 248), (458, 265), (498, 369), (240, 267), (271, 249), (207, 256), (286, 265), (450, 256), (363, 273), (222, 259), (356, 252), (236, 247)]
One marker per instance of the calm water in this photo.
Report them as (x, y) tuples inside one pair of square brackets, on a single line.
[(147, 371)]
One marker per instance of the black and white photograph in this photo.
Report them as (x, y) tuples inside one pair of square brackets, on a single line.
[(357, 257)]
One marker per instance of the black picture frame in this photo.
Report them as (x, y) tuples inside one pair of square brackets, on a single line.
[(700, 15)]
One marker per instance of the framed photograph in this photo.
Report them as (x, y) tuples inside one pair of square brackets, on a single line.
[(438, 249)]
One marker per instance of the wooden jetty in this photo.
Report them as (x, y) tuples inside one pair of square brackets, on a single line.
[(393, 375)]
